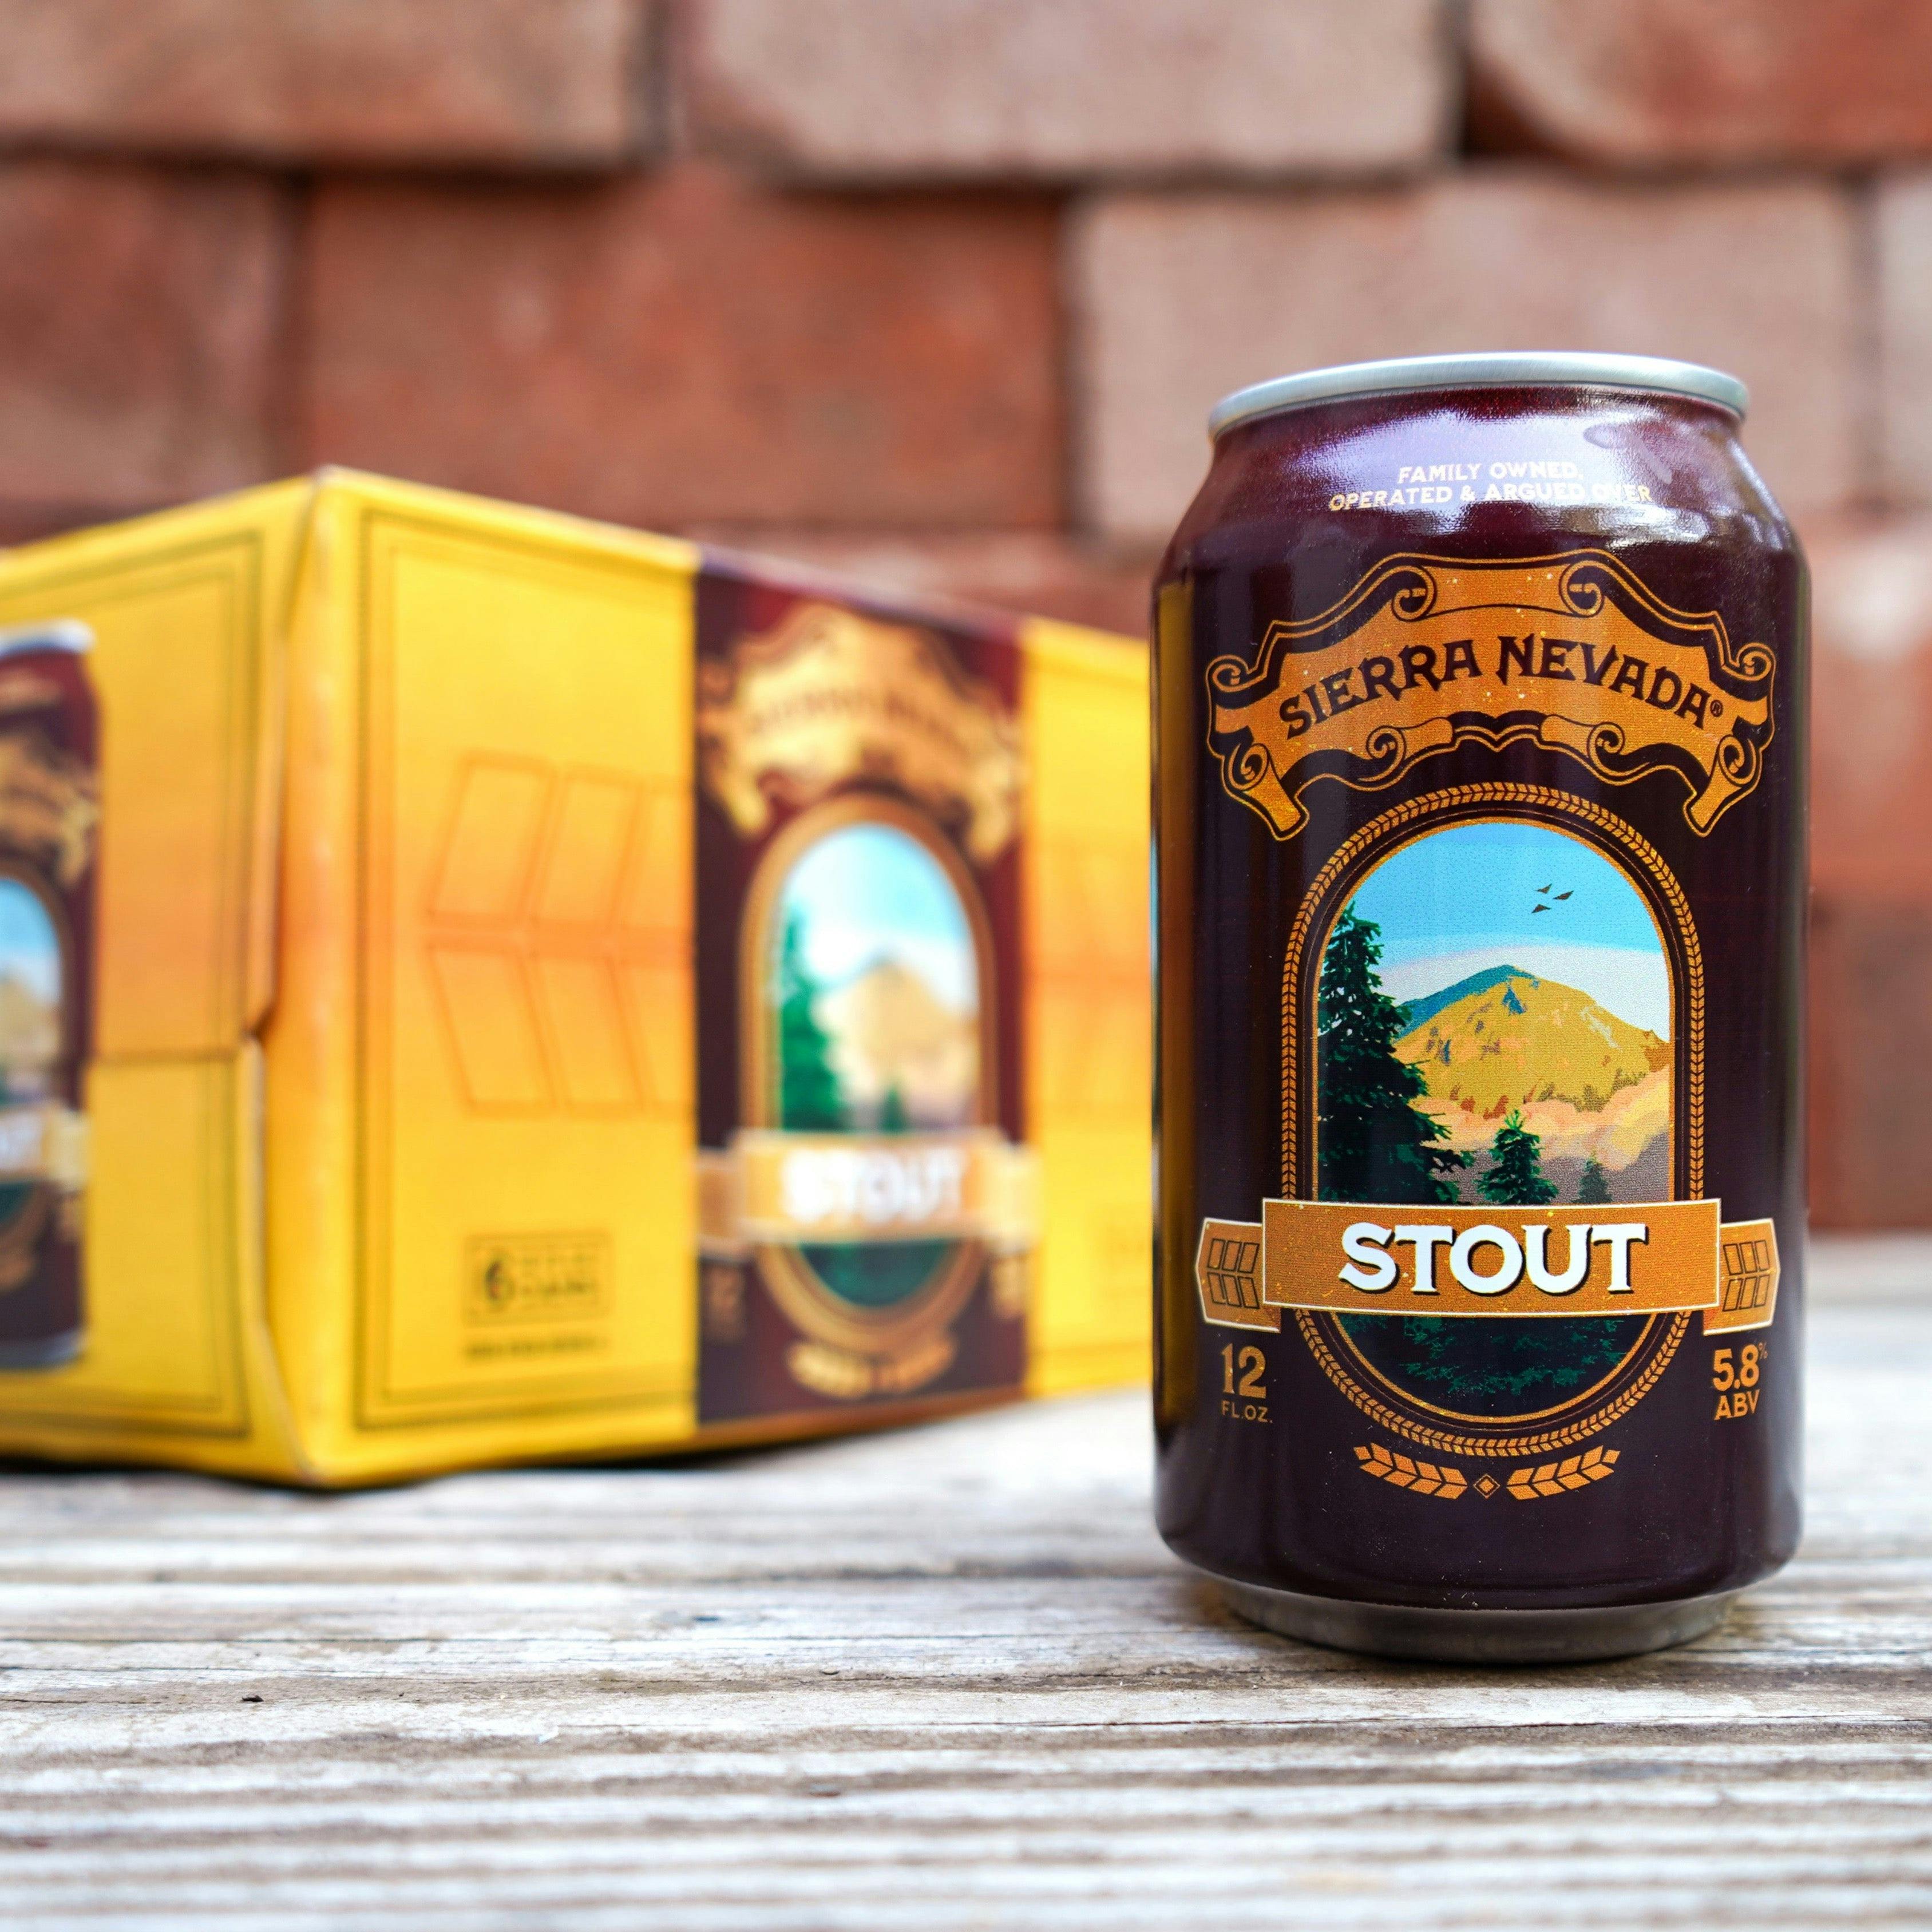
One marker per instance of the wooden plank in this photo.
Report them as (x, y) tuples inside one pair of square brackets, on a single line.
[(941, 1678)]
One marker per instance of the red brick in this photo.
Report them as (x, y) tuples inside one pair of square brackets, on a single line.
[(1029, 572), (1659, 82), (894, 89), (139, 312), (1181, 298), (542, 82), (1872, 713), (1871, 1041), (1903, 233), (25, 519), (1871, 866), (662, 351)]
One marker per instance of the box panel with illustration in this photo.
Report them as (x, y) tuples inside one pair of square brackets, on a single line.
[(475, 985)]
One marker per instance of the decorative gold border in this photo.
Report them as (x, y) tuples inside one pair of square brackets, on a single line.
[(1539, 1444), (1423, 813), (796, 1288), (1429, 806), (794, 1284)]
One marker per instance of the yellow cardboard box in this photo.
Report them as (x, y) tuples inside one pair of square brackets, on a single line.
[(478, 986)]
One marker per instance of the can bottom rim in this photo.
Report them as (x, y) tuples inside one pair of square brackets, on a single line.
[(1476, 1636)]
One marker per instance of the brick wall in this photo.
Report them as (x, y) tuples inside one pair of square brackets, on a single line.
[(940, 290)]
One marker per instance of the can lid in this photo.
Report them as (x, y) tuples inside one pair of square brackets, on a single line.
[(1513, 369)]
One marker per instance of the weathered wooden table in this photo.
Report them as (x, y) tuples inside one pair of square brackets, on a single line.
[(941, 1678)]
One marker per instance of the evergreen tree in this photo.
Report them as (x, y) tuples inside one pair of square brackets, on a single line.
[(809, 1095), (1593, 1189), (892, 1117), (1514, 1177), (1375, 1144)]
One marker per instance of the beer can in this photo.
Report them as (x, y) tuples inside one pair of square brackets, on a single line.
[(1481, 750), (50, 813)]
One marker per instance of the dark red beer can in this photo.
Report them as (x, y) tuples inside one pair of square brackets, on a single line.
[(1480, 738)]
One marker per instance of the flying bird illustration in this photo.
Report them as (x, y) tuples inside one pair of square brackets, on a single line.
[(1565, 895), (1542, 892), (1534, 910)]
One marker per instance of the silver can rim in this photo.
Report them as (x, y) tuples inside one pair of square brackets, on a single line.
[(1476, 1636), (1513, 369)]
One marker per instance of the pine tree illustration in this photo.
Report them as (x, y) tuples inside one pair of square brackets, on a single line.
[(892, 1117), (1375, 1144), (810, 1098), (1514, 1177), (1593, 1189)]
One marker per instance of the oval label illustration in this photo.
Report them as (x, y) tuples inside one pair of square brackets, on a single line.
[(872, 992), (1494, 1027)]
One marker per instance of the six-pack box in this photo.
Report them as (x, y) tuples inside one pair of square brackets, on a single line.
[(478, 985)]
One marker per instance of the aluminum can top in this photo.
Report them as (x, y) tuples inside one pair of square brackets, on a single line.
[(1516, 369)]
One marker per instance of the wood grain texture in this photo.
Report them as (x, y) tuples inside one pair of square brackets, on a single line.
[(941, 1678)]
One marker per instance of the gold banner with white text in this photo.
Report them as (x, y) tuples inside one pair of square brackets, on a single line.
[(795, 1188), (1365, 1258)]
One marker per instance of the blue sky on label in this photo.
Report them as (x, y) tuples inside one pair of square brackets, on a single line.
[(1464, 900), (870, 891), (29, 952)]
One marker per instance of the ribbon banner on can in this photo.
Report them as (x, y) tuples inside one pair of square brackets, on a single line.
[(1358, 1258), (972, 1184), (1572, 653)]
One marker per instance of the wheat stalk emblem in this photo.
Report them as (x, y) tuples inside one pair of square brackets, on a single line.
[(1422, 1479), (1446, 1480), (1551, 1479)]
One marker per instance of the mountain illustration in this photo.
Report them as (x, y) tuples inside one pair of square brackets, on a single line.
[(1416, 1011), (1590, 1085), (892, 1036)]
